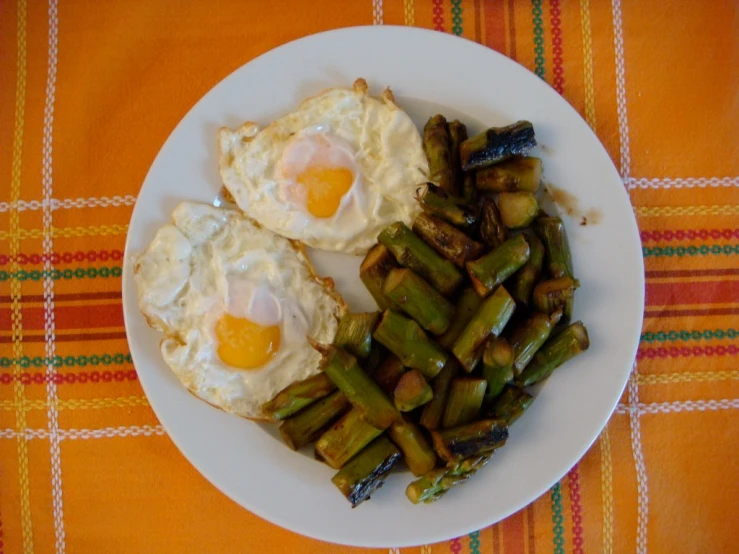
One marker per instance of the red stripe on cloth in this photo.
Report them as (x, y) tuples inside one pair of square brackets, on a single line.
[(532, 530), (557, 65), (69, 317), (112, 295), (512, 28), (512, 531), (691, 273), (81, 377), (573, 482), (686, 292), (437, 8), (689, 313), (73, 337), (494, 17)]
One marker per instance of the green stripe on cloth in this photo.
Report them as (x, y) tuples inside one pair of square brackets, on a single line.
[(685, 335), (69, 361), (457, 17), (557, 519), (536, 12), (57, 274)]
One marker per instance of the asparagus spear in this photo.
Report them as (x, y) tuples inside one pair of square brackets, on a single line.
[(489, 319), (551, 231), (492, 230), (436, 483), (517, 209), (366, 473), (497, 367), (457, 134), (466, 306), (453, 209), (389, 373), (495, 267), (377, 355), (355, 333), (345, 439), (528, 275), (434, 410), (464, 402), (554, 294), (417, 452), (419, 300), (376, 265), (497, 144), (297, 396), (405, 338), (437, 145), (556, 351), (517, 173), (364, 394), (528, 337), (469, 190), (446, 239), (413, 253), (511, 404), (472, 439), (412, 391), (302, 429)]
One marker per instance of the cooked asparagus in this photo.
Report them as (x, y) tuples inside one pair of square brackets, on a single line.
[(497, 367), (345, 439), (450, 208), (554, 294), (492, 230), (526, 277), (495, 267), (437, 145), (517, 173), (376, 265), (490, 319), (364, 394), (413, 253), (433, 411), (464, 402), (469, 190), (304, 428), (412, 391), (528, 337), (405, 338), (472, 439), (446, 239), (418, 299), (389, 373), (457, 135), (377, 355), (517, 209), (497, 144), (466, 306), (551, 231), (436, 483), (366, 473), (511, 404), (418, 454), (557, 350), (355, 333), (297, 396)]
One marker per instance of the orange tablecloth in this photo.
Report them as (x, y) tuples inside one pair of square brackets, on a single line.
[(89, 91)]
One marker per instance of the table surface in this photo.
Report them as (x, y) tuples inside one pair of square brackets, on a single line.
[(89, 91)]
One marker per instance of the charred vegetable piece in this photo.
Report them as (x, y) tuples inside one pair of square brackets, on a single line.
[(345, 439), (497, 367), (366, 473), (377, 355), (355, 333), (464, 402), (412, 391), (297, 396), (437, 145), (558, 260), (418, 299), (405, 338), (466, 306), (511, 404), (492, 230), (450, 208), (418, 454), (469, 190), (517, 209), (389, 373), (528, 337), (519, 173), (436, 483), (497, 144), (457, 135), (495, 267), (441, 384), (364, 394), (413, 253), (554, 294), (526, 277), (374, 269), (472, 439), (556, 351), (304, 428), (490, 319), (446, 239)]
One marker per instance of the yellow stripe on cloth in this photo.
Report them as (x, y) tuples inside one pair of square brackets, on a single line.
[(66, 232)]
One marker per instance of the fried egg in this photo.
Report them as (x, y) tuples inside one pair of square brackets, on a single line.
[(332, 173), (236, 304)]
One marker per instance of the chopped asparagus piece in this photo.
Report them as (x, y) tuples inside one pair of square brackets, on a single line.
[(418, 454), (517, 209), (497, 367), (297, 396), (366, 473), (558, 260), (556, 351), (355, 333), (519, 173), (437, 145), (526, 277), (436, 483), (492, 230), (345, 439), (450, 208), (418, 299), (511, 404), (389, 373), (497, 144), (464, 402), (304, 428), (465, 308), (472, 439), (495, 267), (554, 294), (441, 384), (376, 265), (412, 391), (446, 239), (528, 337), (457, 135)]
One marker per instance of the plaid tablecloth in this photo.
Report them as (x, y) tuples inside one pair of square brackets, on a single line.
[(90, 90)]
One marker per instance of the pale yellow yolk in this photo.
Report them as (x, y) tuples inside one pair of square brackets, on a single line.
[(245, 344), (325, 186)]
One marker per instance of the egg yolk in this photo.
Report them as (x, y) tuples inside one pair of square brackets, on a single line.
[(325, 186), (245, 344)]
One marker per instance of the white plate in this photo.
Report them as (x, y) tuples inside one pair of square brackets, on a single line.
[(429, 72)]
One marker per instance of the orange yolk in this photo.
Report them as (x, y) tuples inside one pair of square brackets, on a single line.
[(245, 344), (325, 186)]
